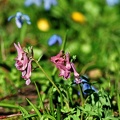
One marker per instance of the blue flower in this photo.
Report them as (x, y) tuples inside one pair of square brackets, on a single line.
[(49, 3), (87, 89), (30, 2), (20, 18), (54, 39), (112, 2)]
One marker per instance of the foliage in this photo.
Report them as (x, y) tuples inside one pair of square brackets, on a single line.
[(89, 31)]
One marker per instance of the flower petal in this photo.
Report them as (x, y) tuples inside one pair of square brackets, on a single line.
[(19, 51), (19, 22), (48, 3), (28, 71), (54, 39), (11, 17), (28, 82)]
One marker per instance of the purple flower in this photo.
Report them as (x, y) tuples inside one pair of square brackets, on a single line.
[(62, 62), (54, 39), (20, 18), (49, 3), (30, 2), (27, 73), (23, 63), (112, 2), (76, 75), (22, 59)]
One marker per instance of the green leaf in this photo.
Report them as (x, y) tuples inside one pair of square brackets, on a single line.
[(51, 101), (75, 117), (40, 99), (8, 105), (58, 113), (36, 110), (23, 111), (47, 116)]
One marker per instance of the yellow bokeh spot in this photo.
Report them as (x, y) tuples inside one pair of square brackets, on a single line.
[(43, 24), (78, 17)]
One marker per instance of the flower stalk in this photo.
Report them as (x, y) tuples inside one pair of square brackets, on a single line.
[(46, 75)]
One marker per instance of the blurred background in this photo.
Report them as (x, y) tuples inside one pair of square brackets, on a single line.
[(93, 36)]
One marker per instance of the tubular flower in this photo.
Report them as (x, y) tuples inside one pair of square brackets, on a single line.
[(23, 63), (27, 73), (62, 62), (20, 18), (76, 75), (87, 88)]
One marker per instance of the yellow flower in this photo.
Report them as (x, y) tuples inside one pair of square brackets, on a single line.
[(43, 24), (78, 17)]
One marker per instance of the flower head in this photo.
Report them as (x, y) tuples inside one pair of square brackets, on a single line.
[(43, 24), (54, 39), (78, 17), (20, 18), (30, 2), (49, 3), (86, 87), (23, 63), (62, 62), (112, 2)]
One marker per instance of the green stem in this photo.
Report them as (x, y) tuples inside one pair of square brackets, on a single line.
[(23, 32), (2, 49), (47, 76), (81, 94), (82, 99), (118, 95), (40, 98), (118, 99), (64, 42)]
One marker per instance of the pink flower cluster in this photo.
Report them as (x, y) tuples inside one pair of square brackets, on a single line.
[(62, 62), (23, 63)]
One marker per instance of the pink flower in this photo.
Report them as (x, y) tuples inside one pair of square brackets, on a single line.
[(59, 58), (64, 71), (27, 72), (19, 50), (62, 62), (23, 63), (76, 75)]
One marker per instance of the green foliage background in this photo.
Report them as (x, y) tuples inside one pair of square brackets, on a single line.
[(95, 44)]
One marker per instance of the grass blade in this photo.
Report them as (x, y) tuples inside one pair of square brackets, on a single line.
[(40, 99), (36, 110), (8, 105), (47, 116)]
